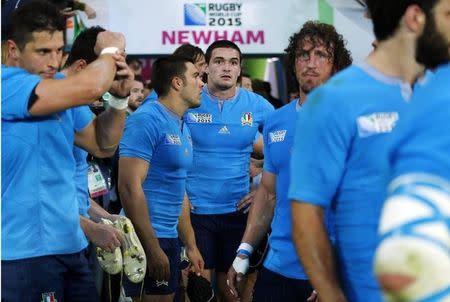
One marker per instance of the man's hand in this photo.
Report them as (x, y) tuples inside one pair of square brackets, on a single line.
[(112, 217), (196, 260), (313, 298), (109, 39), (68, 12), (158, 264), (104, 236), (89, 11), (256, 166), (236, 273), (124, 79), (246, 202)]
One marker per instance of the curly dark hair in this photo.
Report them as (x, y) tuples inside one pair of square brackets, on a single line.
[(319, 33)]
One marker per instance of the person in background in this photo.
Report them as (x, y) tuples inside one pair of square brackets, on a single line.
[(246, 82), (136, 95)]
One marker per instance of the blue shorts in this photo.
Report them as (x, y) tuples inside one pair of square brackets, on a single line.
[(170, 246), (218, 237), (64, 277), (271, 286)]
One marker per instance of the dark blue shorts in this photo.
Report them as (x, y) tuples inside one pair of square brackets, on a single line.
[(64, 277), (218, 237), (170, 246), (272, 287)]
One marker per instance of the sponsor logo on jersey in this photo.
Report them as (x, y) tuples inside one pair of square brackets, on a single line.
[(277, 136), (204, 118), (172, 139), (376, 123), (224, 130), (247, 119)]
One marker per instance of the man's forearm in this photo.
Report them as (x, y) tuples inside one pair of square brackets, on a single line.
[(87, 225), (315, 251), (135, 206), (260, 216), (109, 128), (80, 89), (185, 230), (96, 212)]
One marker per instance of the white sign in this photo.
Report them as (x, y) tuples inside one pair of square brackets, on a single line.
[(159, 27), (154, 27)]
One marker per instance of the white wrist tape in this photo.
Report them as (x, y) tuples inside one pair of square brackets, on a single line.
[(118, 103), (241, 265), (111, 50), (244, 246)]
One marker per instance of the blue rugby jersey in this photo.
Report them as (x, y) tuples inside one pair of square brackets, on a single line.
[(223, 133), (40, 214), (159, 137), (340, 160)]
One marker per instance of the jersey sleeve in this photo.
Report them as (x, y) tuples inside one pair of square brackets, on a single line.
[(82, 116), (17, 88), (268, 164), (418, 147), (140, 138), (323, 135), (266, 109)]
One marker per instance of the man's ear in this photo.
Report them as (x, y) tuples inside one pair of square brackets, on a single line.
[(177, 83), (13, 50), (415, 18), (80, 65)]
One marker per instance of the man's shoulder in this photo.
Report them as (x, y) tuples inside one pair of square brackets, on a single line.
[(282, 114), (342, 91), (252, 98), (146, 115), (16, 74), (438, 83)]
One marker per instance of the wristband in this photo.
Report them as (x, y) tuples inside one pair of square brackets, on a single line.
[(245, 248), (241, 265), (244, 252), (118, 103), (111, 50)]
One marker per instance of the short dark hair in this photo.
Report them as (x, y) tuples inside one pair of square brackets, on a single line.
[(319, 33), (190, 51), (132, 59), (386, 14), (165, 69), (35, 16), (139, 78), (83, 46), (221, 44)]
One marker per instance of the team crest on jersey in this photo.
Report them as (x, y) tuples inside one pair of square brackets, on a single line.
[(247, 119), (49, 297), (277, 136), (376, 123), (202, 118), (172, 139)]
